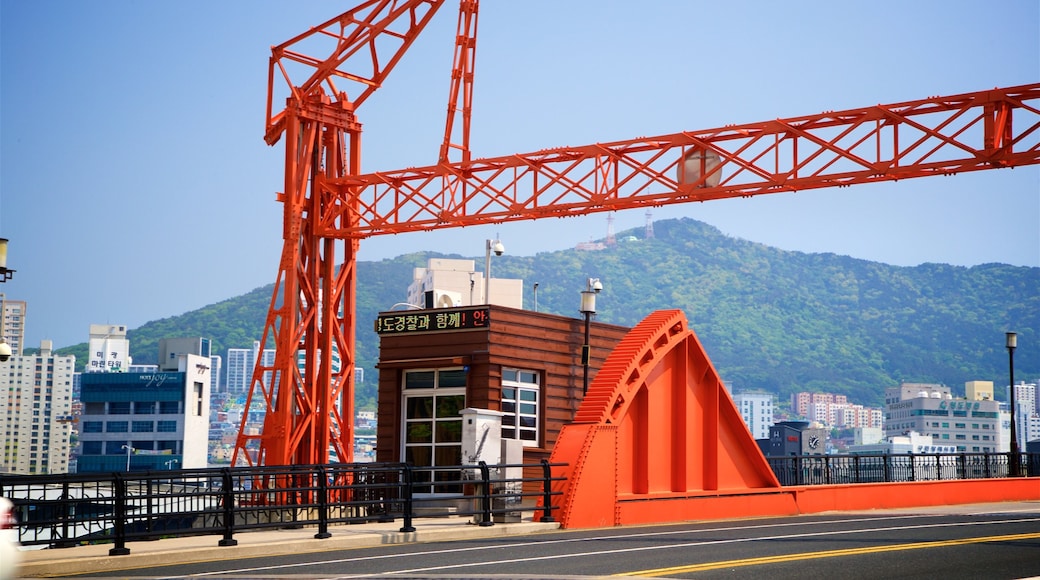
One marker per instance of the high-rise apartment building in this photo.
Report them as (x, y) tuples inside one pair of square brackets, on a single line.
[(240, 364), (757, 411), (13, 327), (36, 412)]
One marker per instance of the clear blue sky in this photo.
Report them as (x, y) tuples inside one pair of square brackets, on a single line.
[(135, 183)]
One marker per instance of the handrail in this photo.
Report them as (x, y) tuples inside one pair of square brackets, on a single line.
[(69, 509)]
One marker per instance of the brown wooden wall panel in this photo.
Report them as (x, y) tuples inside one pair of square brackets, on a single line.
[(546, 343)]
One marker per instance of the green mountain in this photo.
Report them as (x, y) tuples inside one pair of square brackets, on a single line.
[(769, 319)]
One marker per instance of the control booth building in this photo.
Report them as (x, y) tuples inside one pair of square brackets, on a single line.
[(521, 365)]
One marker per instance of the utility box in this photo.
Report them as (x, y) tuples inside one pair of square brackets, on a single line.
[(481, 436), (509, 494)]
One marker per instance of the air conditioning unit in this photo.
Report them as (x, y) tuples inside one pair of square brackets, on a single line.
[(442, 299)]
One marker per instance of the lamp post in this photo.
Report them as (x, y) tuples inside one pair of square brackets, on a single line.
[(128, 450), (536, 296), (496, 247), (170, 464), (1012, 342), (588, 308), (5, 274)]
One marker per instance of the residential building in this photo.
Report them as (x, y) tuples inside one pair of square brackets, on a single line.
[(1027, 418), (240, 365), (13, 326), (36, 408), (970, 425), (757, 411)]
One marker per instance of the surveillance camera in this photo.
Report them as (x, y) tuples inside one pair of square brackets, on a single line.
[(596, 286), (5, 351), (498, 248)]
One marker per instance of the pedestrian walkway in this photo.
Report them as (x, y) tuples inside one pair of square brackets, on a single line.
[(59, 562)]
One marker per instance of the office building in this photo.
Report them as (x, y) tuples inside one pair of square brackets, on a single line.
[(972, 426), (36, 408), (109, 349), (146, 421), (447, 283)]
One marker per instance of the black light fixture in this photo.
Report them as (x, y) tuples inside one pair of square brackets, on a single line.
[(1012, 343), (5, 274), (588, 308)]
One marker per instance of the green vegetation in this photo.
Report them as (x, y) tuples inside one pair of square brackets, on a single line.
[(769, 319)]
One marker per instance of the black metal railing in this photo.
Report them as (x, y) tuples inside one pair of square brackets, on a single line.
[(828, 469), (67, 510)]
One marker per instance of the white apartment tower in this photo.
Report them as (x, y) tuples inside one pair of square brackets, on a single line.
[(757, 411), (240, 364), (13, 328), (36, 408)]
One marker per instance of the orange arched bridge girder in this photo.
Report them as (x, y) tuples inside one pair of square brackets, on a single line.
[(656, 424)]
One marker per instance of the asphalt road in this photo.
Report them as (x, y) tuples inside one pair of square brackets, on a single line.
[(992, 544)]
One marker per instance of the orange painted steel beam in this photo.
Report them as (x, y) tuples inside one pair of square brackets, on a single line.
[(657, 425), (307, 392), (460, 97), (658, 439), (989, 129)]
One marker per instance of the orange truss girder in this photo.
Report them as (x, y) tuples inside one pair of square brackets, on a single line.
[(934, 136)]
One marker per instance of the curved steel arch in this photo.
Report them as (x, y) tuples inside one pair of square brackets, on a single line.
[(658, 431)]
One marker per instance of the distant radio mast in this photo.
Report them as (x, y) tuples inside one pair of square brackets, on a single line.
[(649, 225), (610, 230)]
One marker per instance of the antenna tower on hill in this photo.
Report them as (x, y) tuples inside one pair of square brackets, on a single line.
[(611, 241), (649, 225)]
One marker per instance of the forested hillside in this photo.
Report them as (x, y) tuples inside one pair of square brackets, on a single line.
[(769, 319)]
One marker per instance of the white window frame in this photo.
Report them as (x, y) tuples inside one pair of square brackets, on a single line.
[(518, 418)]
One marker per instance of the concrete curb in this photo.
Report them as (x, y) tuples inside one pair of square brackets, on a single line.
[(173, 551)]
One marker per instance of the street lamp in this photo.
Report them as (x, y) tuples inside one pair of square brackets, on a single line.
[(496, 247), (170, 464), (128, 450), (1012, 342), (588, 308), (5, 274), (536, 296)]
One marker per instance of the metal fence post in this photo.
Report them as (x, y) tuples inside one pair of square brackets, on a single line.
[(229, 508), (407, 473), (485, 495), (546, 492), (119, 525), (323, 504)]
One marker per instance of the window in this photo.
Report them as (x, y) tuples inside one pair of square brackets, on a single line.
[(119, 408), (144, 407), (166, 426), (94, 409), (116, 426), (92, 426), (432, 427), (169, 408), (520, 403), (92, 448), (143, 426)]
